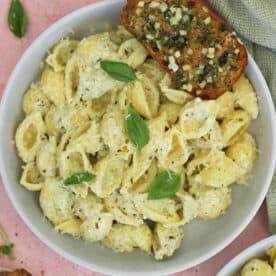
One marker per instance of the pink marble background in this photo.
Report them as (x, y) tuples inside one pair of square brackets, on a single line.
[(30, 253)]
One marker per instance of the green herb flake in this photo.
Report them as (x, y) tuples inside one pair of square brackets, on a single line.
[(7, 249), (118, 70), (79, 178), (223, 59), (164, 185), (167, 15), (137, 129), (17, 19)]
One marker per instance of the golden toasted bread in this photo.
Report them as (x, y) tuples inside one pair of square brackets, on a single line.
[(17, 272), (199, 50)]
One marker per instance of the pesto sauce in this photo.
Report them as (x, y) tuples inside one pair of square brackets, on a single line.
[(222, 60)]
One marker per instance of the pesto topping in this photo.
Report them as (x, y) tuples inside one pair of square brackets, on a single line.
[(223, 59), (167, 26)]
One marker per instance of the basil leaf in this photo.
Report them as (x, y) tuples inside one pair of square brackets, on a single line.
[(6, 249), (17, 19), (137, 129), (118, 70), (79, 178), (164, 185)]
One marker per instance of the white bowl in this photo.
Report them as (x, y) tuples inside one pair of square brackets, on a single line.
[(256, 250), (202, 239)]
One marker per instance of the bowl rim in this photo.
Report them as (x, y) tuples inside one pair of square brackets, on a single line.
[(250, 252), (89, 265)]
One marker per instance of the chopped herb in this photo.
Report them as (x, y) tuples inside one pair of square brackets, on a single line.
[(17, 19), (118, 70), (79, 178), (208, 69), (170, 43), (181, 78), (167, 15), (222, 60), (150, 26), (199, 78)]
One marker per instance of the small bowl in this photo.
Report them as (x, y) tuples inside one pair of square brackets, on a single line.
[(202, 239), (256, 250)]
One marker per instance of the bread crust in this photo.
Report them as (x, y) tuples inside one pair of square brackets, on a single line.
[(17, 272), (210, 46)]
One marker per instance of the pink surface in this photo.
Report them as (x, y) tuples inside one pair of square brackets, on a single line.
[(30, 253)]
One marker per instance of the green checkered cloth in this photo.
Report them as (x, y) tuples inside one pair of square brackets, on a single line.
[(255, 21)]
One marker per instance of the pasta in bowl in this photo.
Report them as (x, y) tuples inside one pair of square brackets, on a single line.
[(258, 259), (127, 159), (261, 266)]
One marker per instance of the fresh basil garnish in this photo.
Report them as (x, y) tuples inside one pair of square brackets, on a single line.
[(164, 185), (79, 178), (6, 249), (118, 70), (17, 19), (137, 129)]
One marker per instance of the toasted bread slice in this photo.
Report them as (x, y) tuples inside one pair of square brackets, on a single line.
[(199, 50), (17, 272)]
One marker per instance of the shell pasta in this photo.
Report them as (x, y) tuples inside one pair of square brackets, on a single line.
[(94, 182), (261, 266)]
